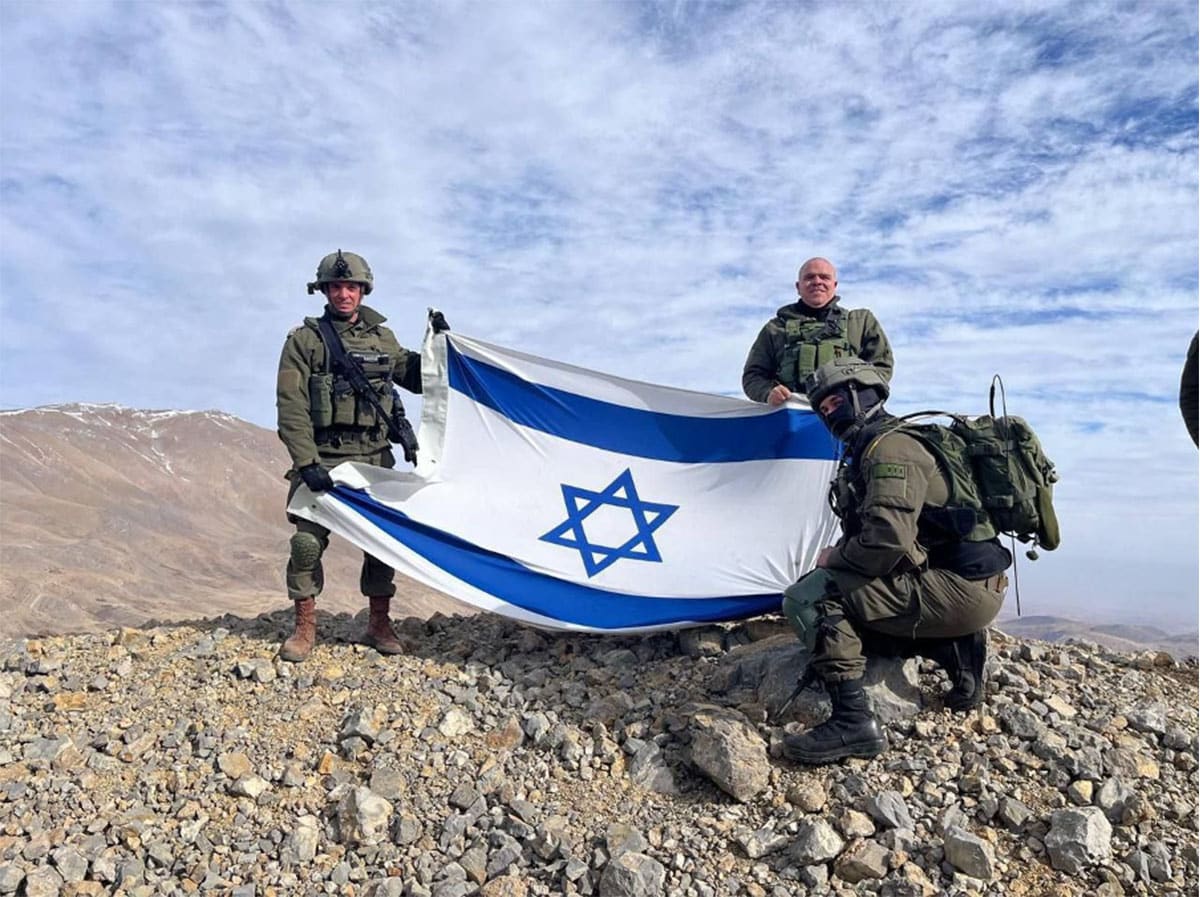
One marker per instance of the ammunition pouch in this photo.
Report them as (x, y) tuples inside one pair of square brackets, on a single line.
[(809, 343), (320, 400)]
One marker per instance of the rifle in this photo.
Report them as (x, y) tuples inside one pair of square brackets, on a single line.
[(399, 430)]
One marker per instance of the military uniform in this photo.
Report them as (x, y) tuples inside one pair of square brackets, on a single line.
[(799, 339), (918, 569), (322, 421), (902, 569)]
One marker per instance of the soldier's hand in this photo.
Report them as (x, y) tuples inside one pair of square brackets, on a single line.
[(316, 478), (437, 321), (778, 395)]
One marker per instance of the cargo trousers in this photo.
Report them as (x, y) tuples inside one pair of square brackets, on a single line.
[(835, 611), (305, 575)]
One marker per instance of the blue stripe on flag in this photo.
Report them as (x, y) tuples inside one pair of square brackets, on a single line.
[(501, 577), (789, 433)]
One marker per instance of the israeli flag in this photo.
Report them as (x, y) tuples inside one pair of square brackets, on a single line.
[(571, 499)]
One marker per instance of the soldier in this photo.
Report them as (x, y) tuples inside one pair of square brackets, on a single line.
[(918, 570), (1189, 394), (806, 334), (323, 422)]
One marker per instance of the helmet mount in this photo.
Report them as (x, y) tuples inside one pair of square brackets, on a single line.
[(343, 267)]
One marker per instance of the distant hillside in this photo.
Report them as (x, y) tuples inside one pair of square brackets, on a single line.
[(1118, 636), (112, 516)]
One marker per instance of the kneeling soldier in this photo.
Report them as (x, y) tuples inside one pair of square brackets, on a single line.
[(918, 569)]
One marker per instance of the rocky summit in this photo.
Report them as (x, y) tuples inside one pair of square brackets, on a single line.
[(502, 761)]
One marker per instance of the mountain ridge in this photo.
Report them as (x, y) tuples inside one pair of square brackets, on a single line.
[(112, 516)]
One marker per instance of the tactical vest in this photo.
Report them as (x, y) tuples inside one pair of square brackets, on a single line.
[(337, 412), (809, 343)]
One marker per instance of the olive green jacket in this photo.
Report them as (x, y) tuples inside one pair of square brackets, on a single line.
[(303, 356), (762, 370), (897, 478)]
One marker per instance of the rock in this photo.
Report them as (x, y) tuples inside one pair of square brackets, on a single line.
[(815, 842), (632, 875), (807, 796), (1078, 839), (505, 886), (862, 860), (364, 722), (388, 784), (1013, 813), (701, 642), (649, 770), (622, 838), (892, 688), (969, 854), (1080, 792), (759, 843), (456, 722), (304, 838), (249, 786), (889, 809), (234, 764), (727, 749), (1113, 798), (1021, 722), (771, 668), (11, 877), (362, 817)]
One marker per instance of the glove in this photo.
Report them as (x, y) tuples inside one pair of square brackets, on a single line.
[(437, 321), (316, 478)]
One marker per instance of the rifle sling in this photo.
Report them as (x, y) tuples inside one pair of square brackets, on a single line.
[(341, 360)]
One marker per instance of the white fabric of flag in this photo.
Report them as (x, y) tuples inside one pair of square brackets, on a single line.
[(571, 499)]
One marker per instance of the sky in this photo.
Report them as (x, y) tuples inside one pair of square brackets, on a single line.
[(630, 187)]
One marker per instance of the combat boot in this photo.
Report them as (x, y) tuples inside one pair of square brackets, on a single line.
[(850, 731), (300, 644), (963, 659), (379, 633)]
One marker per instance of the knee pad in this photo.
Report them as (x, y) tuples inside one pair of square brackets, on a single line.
[(306, 551), (800, 607)]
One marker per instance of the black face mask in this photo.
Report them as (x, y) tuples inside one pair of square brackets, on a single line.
[(847, 419), (844, 418)]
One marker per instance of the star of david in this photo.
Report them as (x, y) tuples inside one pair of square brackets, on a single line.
[(620, 493)]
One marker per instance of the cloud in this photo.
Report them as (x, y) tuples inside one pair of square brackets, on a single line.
[(628, 187)]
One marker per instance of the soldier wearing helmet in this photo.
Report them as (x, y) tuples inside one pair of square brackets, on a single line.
[(323, 422), (903, 579), (809, 332)]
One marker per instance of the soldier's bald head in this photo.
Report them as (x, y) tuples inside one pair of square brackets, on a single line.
[(817, 282), (823, 261)]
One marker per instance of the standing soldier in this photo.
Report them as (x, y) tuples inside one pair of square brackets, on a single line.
[(918, 570), (324, 420), (809, 332)]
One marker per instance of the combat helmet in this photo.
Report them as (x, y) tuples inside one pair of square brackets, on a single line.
[(851, 373), (863, 390), (343, 266)]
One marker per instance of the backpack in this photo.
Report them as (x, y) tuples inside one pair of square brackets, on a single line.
[(1014, 478)]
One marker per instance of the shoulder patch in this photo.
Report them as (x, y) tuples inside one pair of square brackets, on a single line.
[(885, 471), (791, 327)]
